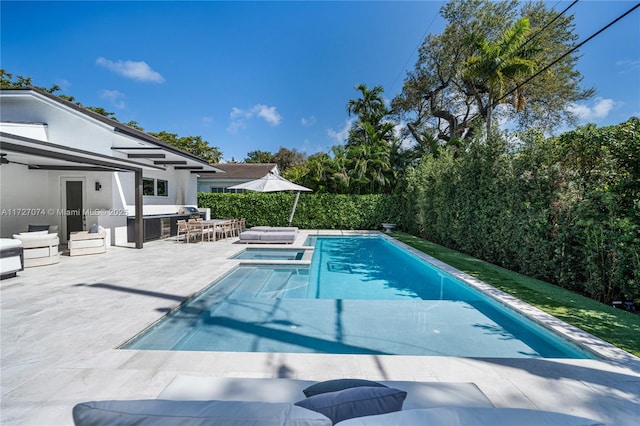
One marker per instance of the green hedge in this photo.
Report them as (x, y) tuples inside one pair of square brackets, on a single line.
[(314, 211), (565, 210)]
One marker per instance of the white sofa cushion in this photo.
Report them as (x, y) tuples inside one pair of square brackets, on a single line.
[(471, 416), (9, 244), (43, 236), (157, 412)]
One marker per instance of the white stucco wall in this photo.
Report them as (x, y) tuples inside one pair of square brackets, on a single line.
[(182, 191), (33, 197), (64, 126), (25, 191)]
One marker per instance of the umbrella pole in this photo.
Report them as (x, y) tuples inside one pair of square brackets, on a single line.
[(293, 210)]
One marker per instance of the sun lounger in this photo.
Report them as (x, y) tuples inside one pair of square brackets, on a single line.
[(239, 401), (269, 235)]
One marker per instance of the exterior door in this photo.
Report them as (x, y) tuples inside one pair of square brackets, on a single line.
[(73, 204)]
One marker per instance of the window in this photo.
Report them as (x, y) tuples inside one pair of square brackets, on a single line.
[(148, 186), (224, 189), (155, 187), (162, 188)]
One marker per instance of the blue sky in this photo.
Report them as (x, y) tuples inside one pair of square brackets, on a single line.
[(260, 75)]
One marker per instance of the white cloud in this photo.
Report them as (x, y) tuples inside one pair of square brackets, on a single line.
[(131, 69), (240, 116), (342, 134), (627, 66), (114, 97), (307, 122), (269, 114), (600, 109)]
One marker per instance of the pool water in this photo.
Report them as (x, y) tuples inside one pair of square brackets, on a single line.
[(360, 295), (270, 254)]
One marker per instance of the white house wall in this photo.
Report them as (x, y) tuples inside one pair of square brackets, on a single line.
[(23, 197), (34, 197), (205, 185), (182, 191), (33, 189)]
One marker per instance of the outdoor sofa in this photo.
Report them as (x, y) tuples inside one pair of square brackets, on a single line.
[(11, 257), (87, 242), (40, 245), (346, 402), (269, 235)]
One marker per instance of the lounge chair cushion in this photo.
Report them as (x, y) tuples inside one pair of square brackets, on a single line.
[(355, 402), (471, 416), (338, 385), (274, 228), (158, 412), (268, 237)]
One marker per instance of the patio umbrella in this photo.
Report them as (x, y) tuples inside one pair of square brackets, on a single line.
[(272, 182)]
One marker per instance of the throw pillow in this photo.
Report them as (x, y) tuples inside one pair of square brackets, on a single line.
[(34, 228), (338, 385), (355, 402), (93, 229)]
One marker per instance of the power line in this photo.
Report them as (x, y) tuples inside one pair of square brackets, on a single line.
[(570, 51), (523, 44), (537, 33), (549, 23), (414, 51)]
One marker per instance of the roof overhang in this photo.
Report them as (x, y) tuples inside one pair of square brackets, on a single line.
[(40, 155), (132, 147)]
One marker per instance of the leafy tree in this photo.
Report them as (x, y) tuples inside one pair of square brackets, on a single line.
[(102, 111), (260, 157), (370, 144), (498, 67), (193, 144), (286, 158), (485, 53), (7, 81), (134, 125), (370, 108)]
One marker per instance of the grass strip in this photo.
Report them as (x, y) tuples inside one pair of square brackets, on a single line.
[(618, 327)]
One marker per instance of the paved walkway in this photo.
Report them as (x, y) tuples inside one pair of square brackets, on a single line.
[(61, 324)]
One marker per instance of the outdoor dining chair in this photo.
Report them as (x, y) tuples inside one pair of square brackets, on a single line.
[(182, 230)]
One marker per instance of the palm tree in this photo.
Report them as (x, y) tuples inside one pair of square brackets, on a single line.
[(499, 66), (370, 108)]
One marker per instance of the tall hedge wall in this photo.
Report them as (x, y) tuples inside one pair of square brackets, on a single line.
[(314, 211), (565, 210)]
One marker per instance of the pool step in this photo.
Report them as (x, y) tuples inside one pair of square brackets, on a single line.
[(285, 282)]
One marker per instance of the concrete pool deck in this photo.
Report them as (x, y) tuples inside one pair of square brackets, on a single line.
[(61, 324)]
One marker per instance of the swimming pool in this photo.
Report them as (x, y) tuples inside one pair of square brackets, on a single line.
[(360, 295)]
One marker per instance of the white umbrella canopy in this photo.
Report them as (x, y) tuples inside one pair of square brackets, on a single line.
[(273, 183)]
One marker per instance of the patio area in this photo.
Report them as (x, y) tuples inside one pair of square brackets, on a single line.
[(61, 324)]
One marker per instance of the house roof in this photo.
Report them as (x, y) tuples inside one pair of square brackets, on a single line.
[(240, 171), (117, 126)]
